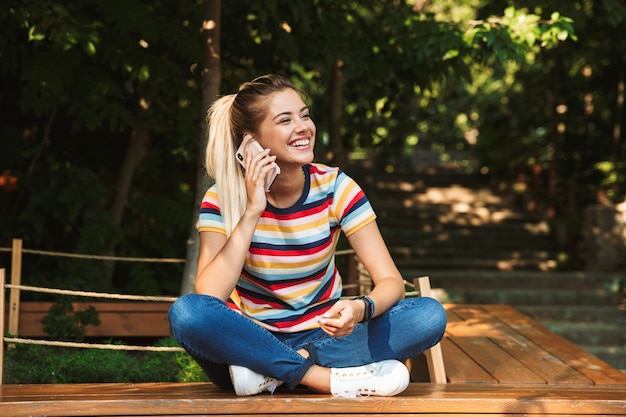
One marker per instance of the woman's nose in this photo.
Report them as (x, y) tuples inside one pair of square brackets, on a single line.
[(301, 125)]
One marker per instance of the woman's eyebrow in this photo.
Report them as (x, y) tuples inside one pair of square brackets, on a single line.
[(288, 113)]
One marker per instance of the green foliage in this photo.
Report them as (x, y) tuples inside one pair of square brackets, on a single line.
[(179, 366), (84, 75), (517, 32), (63, 323), (403, 63), (60, 365), (56, 365)]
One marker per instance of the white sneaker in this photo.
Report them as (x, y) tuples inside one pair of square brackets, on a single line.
[(247, 382), (384, 379)]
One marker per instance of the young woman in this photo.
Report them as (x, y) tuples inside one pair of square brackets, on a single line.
[(267, 308)]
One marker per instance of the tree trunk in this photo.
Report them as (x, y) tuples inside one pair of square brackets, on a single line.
[(140, 141), (137, 150), (335, 143), (552, 150), (619, 114), (211, 79)]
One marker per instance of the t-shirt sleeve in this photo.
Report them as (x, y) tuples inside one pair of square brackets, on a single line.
[(352, 208), (210, 219)]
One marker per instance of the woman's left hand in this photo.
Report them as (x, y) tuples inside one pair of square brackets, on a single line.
[(340, 320)]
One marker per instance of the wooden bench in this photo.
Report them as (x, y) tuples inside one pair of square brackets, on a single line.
[(433, 400), (498, 362)]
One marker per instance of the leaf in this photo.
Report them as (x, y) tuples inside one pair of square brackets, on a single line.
[(452, 53)]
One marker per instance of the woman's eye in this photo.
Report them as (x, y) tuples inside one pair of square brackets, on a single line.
[(306, 116), (285, 120)]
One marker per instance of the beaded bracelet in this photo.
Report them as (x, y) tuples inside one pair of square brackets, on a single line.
[(370, 308)]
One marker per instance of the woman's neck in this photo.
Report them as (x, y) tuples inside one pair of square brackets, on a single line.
[(287, 188)]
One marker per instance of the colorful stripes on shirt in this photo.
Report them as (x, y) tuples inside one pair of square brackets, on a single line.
[(289, 276)]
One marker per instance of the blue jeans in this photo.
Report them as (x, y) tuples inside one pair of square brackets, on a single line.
[(217, 336)]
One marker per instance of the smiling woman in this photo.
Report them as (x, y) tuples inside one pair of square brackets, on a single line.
[(268, 308)]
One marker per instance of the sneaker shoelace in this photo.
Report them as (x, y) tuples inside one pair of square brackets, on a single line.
[(352, 376), (269, 384)]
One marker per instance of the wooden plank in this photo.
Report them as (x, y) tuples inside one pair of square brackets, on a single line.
[(588, 365), (206, 399), (541, 362), (417, 414), (2, 297), (468, 335), (434, 357), (16, 278), (460, 367), (118, 319)]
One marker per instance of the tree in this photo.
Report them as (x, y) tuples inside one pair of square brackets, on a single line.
[(211, 78), (89, 78)]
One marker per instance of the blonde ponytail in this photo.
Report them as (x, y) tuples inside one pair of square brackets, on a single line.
[(221, 164)]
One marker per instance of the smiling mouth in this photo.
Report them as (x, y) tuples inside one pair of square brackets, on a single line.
[(300, 143)]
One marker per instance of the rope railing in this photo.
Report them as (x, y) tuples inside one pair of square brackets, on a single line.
[(56, 343), (92, 294), (83, 345), (360, 281), (96, 257), (358, 278), (119, 258), (16, 287)]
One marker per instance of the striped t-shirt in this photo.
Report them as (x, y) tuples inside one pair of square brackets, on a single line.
[(289, 276)]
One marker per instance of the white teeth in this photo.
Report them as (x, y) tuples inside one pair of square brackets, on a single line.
[(300, 143)]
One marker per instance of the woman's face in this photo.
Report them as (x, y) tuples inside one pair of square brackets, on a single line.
[(287, 129)]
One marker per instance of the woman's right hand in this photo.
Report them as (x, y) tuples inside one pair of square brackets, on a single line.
[(257, 168)]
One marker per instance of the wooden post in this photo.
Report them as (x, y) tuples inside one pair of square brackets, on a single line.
[(434, 356), (16, 278), (365, 280), (2, 282), (353, 274)]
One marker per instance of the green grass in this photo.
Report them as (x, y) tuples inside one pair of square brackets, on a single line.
[(35, 364)]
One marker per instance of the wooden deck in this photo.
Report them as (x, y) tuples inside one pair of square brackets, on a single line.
[(498, 362)]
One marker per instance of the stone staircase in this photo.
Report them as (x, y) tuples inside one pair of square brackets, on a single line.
[(477, 247)]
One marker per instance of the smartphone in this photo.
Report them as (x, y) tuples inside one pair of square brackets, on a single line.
[(253, 145)]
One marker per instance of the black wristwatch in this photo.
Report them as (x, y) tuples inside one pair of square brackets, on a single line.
[(370, 307)]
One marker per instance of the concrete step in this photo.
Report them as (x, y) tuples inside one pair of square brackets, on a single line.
[(487, 207), (473, 249), (605, 341), (377, 180), (428, 215), (426, 266), (610, 314), (588, 334), (468, 248), (455, 199), (440, 231), (517, 297), (613, 355), (557, 280)]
